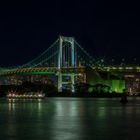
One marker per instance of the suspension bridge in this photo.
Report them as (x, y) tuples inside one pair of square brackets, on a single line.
[(65, 57)]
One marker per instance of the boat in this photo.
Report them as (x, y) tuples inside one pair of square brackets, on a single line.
[(26, 95)]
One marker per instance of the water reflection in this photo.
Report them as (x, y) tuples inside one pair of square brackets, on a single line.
[(69, 118), (39, 104), (66, 108), (11, 105)]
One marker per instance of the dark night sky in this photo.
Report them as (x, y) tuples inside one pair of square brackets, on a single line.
[(108, 29)]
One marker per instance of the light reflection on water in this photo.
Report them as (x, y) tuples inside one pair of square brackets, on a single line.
[(69, 118)]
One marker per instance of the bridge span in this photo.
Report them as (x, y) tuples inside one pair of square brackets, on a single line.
[(65, 57)]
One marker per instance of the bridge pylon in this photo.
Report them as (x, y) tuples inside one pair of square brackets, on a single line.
[(66, 59)]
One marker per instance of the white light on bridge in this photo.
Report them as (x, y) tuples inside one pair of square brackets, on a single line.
[(129, 68), (114, 68), (120, 68)]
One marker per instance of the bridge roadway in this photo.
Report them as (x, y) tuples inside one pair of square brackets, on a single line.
[(41, 70), (55, 70), (118, 69)]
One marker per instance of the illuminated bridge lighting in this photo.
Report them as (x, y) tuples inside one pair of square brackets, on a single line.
[(65, 57)]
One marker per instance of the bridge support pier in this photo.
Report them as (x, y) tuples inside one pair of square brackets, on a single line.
[(72, 83), (59, 82), (66, 58)]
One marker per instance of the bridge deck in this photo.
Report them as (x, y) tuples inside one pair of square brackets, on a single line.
[(54, 70)]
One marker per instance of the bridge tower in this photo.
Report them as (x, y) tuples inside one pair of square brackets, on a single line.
[(66, 59)]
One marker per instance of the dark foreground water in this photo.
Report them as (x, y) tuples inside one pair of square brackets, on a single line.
[(70, 119)]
